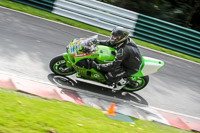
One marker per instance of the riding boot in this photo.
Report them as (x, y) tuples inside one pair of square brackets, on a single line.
[(120, 84)]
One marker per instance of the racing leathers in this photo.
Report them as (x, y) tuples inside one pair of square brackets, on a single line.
[(127, 61)]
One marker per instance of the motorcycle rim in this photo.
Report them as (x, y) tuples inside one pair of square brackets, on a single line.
[(136, 84), (60, 68)]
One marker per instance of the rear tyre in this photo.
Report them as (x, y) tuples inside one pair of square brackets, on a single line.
[(58, 66), (136, 84)]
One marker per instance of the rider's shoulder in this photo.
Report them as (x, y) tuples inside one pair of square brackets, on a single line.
[(130, 43)]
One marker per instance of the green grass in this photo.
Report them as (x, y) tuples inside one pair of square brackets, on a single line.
[(47, 15), (22, 113)]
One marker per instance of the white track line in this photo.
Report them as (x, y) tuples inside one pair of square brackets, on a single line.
[(96, 33)]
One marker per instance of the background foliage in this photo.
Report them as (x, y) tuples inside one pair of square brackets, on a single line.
[(181, 12)]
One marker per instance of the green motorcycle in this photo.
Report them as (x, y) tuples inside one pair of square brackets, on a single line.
[(80, 51)]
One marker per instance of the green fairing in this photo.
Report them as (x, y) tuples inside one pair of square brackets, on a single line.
[(104, 54), (139, 73), (65, 56)]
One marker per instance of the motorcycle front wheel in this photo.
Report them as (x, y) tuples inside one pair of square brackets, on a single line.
[(58, 66), (137, 83)]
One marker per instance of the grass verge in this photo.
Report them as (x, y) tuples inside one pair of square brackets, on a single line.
[(30, 114), (47, 15)]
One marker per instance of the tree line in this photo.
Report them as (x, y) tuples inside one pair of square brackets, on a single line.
[(181, 12)]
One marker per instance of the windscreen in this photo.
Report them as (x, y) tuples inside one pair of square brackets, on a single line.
[(82, 45)]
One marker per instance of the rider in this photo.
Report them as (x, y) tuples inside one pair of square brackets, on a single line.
[(128, 58)]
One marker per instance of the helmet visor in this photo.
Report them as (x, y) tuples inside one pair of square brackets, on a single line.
[(116, 38)]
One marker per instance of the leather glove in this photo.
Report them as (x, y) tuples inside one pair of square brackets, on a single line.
[(112, 43), (96, 42), (95, 65)]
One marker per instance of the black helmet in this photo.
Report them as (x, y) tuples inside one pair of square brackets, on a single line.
[(119, 35)]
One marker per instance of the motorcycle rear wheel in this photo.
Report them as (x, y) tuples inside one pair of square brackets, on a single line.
[(58, 66), (136, 84)]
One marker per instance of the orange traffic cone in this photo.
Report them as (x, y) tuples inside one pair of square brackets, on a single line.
[(110, 110)]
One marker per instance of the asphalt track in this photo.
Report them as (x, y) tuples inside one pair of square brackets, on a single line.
[(28, 44)]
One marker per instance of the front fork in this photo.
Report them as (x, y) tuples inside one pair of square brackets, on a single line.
[(67, 58)]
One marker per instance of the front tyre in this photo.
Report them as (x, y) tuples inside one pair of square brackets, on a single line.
[(58, 66), (136, 83)]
